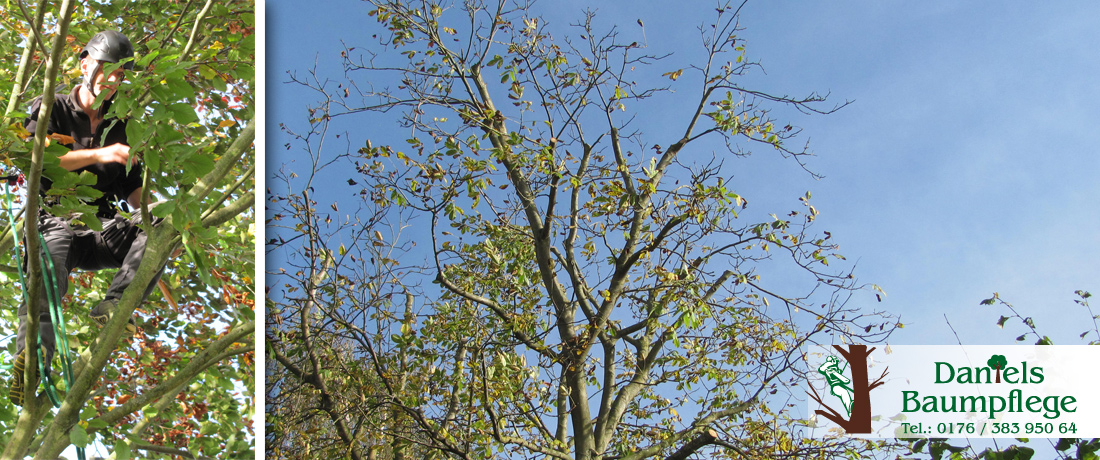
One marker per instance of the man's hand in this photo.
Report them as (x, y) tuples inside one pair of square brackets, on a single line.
[(114, 153)]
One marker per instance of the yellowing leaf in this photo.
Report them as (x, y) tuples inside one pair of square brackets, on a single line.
[(673, 75), (20, 131), (226, 123), (62, 138), (168, 295)]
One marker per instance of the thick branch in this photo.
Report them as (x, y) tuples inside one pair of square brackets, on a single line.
[(203, 360), (170, 396), (696, 428), (168, 450), (702, 440), (238, 206), (221, 169), (229, 192), (23, 434)]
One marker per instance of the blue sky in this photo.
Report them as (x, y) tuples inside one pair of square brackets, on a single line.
[(967, 163)]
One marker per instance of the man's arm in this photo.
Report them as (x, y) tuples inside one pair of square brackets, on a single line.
[(76, 159), (135, 199)]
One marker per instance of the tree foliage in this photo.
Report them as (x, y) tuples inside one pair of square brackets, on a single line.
[(184, 384), (531, 274)]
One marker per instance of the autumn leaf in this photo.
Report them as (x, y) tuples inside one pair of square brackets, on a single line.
[(62, 138), (20, 131), (167, 293)]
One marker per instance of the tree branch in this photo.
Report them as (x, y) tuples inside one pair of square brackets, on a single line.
[(702, 440), (168, 450), (238, 206), (879, 381), (200, 362), (195, 30), (22, 436), (230, 158)]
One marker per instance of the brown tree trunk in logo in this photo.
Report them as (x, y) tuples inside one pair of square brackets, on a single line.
[(860, 421)]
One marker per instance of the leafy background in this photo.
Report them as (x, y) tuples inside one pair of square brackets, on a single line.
[(191, 96)]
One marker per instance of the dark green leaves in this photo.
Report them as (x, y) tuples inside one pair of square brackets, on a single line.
[(78, 436)]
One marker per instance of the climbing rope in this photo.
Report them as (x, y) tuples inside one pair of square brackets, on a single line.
[(61, 338)]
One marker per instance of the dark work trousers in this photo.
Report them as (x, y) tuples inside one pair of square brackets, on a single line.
[(120, 245)]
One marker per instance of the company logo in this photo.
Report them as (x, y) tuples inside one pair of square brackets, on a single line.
[(942, 391), (852, 391), (1016, 400)]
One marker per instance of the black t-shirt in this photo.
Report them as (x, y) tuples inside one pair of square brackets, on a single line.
[(68, 118)]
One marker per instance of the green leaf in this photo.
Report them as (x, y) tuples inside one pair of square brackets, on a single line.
[(179, 87), (197, 165), (87, 193), (183, 113), (90, 221), (919, 445), (146, 59), (1064, 444), (56, 149), (122, 450), (88, 412), (78, 436), (196, 254), (208, 429), (1025, 453)]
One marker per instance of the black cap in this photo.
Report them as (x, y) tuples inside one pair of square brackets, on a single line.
[(110, 46)]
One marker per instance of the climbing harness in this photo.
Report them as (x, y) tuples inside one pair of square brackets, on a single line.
[(60, 336)]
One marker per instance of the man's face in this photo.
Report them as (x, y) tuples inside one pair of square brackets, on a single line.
[(101, 83)]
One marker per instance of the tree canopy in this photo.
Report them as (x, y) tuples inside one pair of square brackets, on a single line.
[(183, 386), (547, 254)]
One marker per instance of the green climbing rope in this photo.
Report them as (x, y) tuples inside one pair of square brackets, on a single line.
[(60, 336)]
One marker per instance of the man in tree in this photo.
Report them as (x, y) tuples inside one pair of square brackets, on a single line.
[(98, 145)]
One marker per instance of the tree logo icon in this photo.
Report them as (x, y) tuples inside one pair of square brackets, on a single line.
[(997, 362), (854, 392)]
